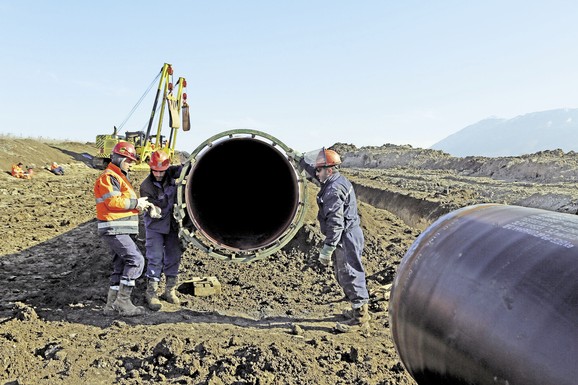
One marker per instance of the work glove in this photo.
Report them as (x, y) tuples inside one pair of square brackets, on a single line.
[(295, 156), (143, 203), (155, 212), (325, 255)]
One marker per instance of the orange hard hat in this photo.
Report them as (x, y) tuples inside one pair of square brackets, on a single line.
[(125, 149), (159, 161), (327, 158)]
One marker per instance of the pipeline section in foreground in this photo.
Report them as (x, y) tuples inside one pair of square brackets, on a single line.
[(240, 197), (488, 294)]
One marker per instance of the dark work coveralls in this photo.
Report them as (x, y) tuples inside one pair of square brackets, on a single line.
[(339, 223), (163, 249)]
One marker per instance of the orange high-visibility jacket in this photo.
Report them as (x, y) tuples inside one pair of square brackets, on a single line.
[(17, 170), (116, 203)]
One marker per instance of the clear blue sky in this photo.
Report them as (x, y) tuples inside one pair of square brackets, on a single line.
[(311, 73)]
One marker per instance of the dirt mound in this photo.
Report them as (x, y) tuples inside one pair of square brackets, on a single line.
[(543, 167), (273, 322), (42, 153)]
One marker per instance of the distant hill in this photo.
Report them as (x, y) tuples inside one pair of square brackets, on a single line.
[(524, 134)]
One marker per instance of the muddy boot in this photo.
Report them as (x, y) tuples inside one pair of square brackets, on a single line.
[(357, 317), (361, 316), (124, 305), (170, 294), (111, 297), (151, 296), (348, 313), (359, 313)]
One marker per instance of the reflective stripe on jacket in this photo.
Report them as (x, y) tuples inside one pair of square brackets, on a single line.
[(116, 203)]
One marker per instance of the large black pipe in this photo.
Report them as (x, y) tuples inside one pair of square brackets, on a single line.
[(488, 294), (243, 195)]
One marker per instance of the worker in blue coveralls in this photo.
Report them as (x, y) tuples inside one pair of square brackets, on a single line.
[(163, 249), (339, 222)]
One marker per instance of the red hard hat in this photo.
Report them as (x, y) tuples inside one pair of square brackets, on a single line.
[(160, 161), (327, 158), (125, 149)]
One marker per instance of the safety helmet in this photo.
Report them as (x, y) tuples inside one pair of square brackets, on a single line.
[(327, 158), (159, 161), (125, 149)]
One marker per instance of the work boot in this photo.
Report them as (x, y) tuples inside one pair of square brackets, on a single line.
[(151, 296), (111, 297), (170, 294), (123, 303), (359, 316), (358, 320), (348, 313)]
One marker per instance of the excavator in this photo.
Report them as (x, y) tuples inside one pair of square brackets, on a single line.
[(144, 141)]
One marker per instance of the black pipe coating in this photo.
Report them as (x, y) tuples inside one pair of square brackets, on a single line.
[(488, 294)]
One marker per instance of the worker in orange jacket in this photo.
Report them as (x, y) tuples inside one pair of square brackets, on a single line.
[(117, 208), (18, 172), (56, 169)]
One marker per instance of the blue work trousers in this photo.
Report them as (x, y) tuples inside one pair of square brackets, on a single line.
[(163, 252), (348, 267), (127, 260)]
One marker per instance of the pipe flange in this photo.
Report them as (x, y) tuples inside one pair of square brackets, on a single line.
[(205, 225)]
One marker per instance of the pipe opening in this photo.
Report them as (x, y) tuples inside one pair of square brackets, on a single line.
[(242, 194)]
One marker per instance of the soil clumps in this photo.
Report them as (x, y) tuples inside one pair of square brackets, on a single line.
[(274, 321)]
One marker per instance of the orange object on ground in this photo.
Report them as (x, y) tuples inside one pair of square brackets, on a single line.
[(17, 172)]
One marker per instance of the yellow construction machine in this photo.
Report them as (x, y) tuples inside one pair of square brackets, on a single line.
[(144, 142)]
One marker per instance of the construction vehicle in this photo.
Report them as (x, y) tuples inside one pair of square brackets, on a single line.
[(144, 142)]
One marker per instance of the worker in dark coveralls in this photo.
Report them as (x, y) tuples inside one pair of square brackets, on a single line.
[(163, 248), (117, 209), (339, 222)]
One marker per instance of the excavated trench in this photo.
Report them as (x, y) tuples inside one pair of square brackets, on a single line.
[(417, 213)]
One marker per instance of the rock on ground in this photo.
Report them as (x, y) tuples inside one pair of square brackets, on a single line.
[(272, 324)]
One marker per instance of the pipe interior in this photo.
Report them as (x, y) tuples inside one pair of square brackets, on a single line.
[(242, 193)]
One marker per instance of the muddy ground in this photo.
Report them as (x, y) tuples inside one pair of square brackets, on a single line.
[(274, 321)]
